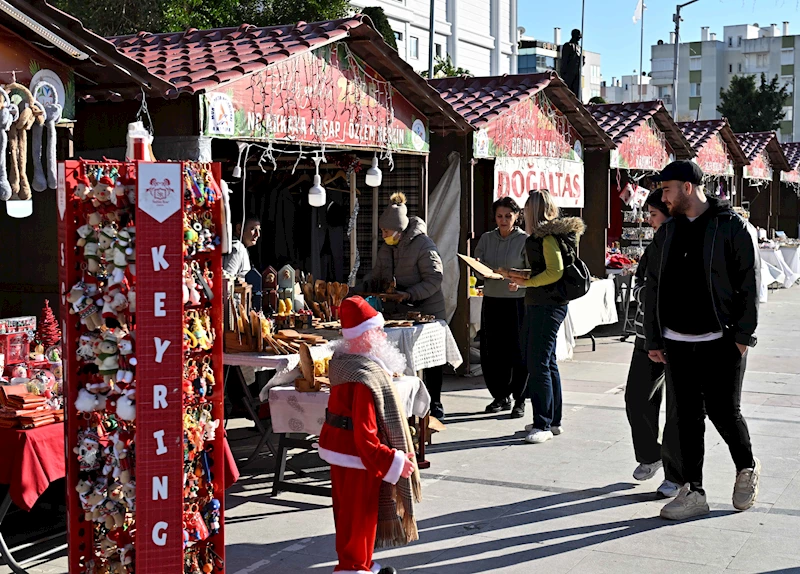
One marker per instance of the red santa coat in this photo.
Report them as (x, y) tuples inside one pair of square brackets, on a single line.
[(361, 447)]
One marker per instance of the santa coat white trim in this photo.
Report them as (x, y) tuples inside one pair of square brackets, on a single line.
[(371, 323), (349, 461)]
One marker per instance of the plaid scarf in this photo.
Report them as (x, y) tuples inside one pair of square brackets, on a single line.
[(396, 523)]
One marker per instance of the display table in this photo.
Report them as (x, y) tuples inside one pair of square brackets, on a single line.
[(775, 258), (791, 254), (295, 412), (597, 307), (31, 461)]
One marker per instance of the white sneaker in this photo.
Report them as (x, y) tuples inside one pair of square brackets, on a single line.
[(745, 489), (557, 430), (647, 471), (538, 436), (668, 489), (687, 504)]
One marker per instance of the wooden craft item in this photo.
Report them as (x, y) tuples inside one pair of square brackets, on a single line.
[(484, 270), (269, 284)]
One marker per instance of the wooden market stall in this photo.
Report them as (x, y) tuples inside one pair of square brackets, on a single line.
[(49, 56), (270, 102), (761, 178), (719, 154), (530, 132), (647, 139), (789, 214)]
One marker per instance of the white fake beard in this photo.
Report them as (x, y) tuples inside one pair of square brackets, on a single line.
[(374, 343)]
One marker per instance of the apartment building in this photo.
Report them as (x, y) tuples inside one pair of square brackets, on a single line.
[(478, 35), (536, 56), (627, 89), (707, 66)]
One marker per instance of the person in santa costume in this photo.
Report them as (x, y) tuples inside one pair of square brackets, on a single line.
[(367, 442)]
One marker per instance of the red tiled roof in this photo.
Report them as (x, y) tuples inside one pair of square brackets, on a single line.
[(195, 60), (753, 143), (700, 133), (792, 153), (198, 60), (482, 100), (621, 120)]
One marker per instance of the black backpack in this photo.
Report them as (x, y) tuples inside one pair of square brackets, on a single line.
[(576, 280)]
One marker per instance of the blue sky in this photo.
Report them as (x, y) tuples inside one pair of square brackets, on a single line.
[(609, 28)]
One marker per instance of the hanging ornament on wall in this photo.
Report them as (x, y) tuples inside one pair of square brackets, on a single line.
[(29, 113), (8, 113)]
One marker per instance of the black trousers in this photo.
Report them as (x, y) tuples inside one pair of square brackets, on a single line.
[(501, 355), (708, 375), (433, 379), (643, 394)]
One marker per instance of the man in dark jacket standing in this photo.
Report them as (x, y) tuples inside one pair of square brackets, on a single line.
[(572, 63), (701, 311)]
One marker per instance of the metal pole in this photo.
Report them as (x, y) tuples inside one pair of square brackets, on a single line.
[(431, 38), (677, 19), (583, 14), (641, 52)]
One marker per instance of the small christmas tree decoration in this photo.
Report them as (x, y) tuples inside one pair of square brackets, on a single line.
[(48, 333)]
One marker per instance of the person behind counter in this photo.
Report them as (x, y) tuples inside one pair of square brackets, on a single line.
[(245, 234), (410, 258), (503, 311), (551, 246)]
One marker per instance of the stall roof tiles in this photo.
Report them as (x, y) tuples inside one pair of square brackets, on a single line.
[(198, 60), (792, 153), (753, 143), (700, 133), (620, 121), (482, 100)]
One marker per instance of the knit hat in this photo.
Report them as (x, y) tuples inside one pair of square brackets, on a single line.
[(395, 217), (358, 317)]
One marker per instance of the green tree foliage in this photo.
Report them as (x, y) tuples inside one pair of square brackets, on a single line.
[(378, 17), (118, 17), (750, 108), (597, 100), (444, 68)]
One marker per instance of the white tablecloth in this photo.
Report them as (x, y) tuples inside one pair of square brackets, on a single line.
[(292, 411), (775, 258), (791, 254), (597, 307)]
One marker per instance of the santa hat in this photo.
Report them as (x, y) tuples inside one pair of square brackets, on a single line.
[(358, 317), (107, 181)]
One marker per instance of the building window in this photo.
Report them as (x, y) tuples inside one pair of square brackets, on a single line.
[(694, 90), (739, 67), (626, 87), (695, 63), (730, 41), (398, 36), (413, 48), (730, 68), (438, 50), (739, 41)]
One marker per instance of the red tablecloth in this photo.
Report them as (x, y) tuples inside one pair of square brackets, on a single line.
[(30, 460)]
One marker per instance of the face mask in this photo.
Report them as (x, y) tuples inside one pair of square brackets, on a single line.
[(392, 240)]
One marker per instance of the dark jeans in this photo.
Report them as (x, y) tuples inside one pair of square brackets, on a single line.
[(643, 394), (708, 374), (501, 356), (544, 383), (433, 379)]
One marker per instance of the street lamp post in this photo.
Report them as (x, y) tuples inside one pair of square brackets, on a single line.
[(677, 19)]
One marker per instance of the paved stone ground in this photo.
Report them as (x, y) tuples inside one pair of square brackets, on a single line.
[(495, 504)]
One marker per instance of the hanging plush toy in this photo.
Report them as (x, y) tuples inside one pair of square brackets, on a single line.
[(29, 114), (37, 130), (8, 115), (52, 117)]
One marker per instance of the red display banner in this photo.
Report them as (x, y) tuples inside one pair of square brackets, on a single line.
[(645, 149), (532, 128), (759, 168), (326, 96), (714, 159), (159, 340), (790, 176), (515, 177)]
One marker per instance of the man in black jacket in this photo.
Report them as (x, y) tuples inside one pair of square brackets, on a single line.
[(701, 311)]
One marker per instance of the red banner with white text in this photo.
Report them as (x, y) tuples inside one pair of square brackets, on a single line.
[(515, 177)]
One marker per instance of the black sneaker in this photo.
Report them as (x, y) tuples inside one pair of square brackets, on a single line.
[(387, 570), (519, 409), (498, 405), (437, 411)]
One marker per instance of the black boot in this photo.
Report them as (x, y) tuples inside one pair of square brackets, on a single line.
[(519, 409), (437, 411), (387, 570)]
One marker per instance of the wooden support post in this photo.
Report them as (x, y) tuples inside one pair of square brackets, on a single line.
[(375, 231), (354, 231), (596, 212)]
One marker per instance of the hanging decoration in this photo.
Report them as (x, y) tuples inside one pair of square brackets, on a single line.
[(29, 113), (8, 115), (645, 149)]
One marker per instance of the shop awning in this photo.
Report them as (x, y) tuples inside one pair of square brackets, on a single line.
[(792, 153), (620, 121), (98, 66), (703, 133), (198, 61), (482, 100), (762, 145)]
